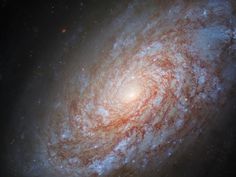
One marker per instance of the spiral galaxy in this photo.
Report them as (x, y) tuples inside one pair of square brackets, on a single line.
[(158, 75)]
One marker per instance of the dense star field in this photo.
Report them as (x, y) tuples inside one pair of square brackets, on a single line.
[(142, 90)]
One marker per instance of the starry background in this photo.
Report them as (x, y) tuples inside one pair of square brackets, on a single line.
[(29, 31), (27, 28)]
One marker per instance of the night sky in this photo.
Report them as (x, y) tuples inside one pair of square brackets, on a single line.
[(125, 88)]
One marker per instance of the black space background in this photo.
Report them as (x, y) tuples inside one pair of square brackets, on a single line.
[(27, 28)]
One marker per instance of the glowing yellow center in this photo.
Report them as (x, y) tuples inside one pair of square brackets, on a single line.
[(130, 92)]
